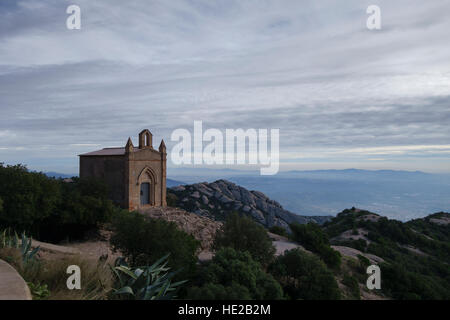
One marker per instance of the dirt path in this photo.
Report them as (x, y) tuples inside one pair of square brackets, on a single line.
[(90, 249), (12, 285), (95, 249)]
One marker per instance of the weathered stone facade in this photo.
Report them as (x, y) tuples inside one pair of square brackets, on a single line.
[(136, 176)]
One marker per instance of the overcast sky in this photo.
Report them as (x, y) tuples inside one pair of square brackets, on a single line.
[(342, 96)]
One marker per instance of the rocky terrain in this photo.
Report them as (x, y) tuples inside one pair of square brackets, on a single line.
[(218, 199), (413, 255), (202, 228)]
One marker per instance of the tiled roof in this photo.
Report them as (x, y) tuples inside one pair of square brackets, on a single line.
[(113, 152), (106, 152)]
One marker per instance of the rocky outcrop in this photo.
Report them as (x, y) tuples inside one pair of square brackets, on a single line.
[(354, 253), (218, 199), (201, 228)]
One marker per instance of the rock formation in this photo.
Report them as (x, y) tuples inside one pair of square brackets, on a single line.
[(218, 199)]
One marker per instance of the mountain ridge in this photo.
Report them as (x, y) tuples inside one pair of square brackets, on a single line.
[(218, 199)]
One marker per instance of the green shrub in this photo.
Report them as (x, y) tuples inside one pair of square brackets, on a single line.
[(304, 276), (331, 257), (28, 198), (309, 235), (364, 262), (243, 234), (38, 291), (313, 238), (50, 209), (143, 240), (279, 230), (235, 275), (402, 284), (405, 274), (352, 284), (85, 206), (171, 199)]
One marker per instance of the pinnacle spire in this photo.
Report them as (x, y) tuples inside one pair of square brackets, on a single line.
[(129, 146), (162, 146)]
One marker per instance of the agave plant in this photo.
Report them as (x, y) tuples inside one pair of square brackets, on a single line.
[(145, 283), (23, 244), (27, 252)]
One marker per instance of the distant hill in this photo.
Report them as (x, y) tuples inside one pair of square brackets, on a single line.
[(172, 183), (416, 254), (218, 199), (59, 175)]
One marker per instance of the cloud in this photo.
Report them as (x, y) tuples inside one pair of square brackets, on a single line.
[(310, 68)]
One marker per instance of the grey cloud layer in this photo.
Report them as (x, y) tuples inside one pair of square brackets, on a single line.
[(310, 68)]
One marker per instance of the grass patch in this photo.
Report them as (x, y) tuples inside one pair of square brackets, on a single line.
[(48, 278)]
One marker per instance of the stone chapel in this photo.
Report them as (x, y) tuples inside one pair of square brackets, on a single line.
[(136, 175)]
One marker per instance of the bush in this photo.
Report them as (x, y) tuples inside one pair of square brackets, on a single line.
[(38, 291), (279, 230), (304, 276), (28, 198), (172, 199), (402, 284), (363, 262), (50, 209), (143, 241), (85, 206), (405, 274), (235, 275), (313, 238), (352, 284), (331, 257), (243, 234), (309, 235)]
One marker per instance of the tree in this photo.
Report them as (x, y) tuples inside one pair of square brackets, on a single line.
[(243, 234), (309, 235), (304, 276), (352, 283), (84, 206), (50, 209), (279, 230), (235, 275), (28, 198), (313, 238), (143, 240)]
